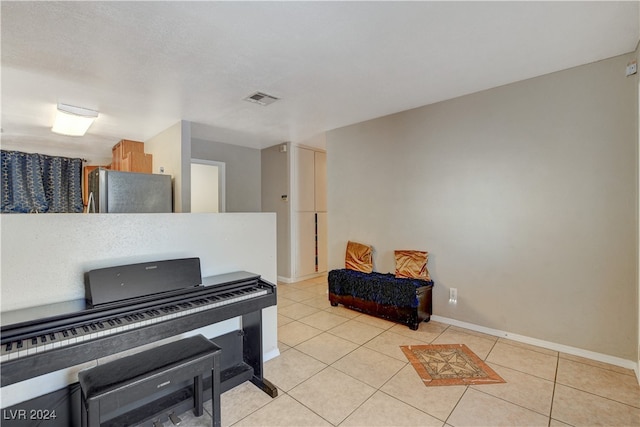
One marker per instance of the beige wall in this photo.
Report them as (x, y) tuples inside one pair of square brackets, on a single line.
[(525, 196), (170, 148)]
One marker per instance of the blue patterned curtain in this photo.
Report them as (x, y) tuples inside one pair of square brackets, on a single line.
[(36, 183)]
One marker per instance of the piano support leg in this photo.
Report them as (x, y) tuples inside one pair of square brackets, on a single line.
[(252, 348), (265, 386)]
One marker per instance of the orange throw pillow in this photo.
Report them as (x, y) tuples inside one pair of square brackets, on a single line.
[(358, 257), (412, 265)]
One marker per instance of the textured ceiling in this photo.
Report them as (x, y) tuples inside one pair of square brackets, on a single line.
[(147, 65)]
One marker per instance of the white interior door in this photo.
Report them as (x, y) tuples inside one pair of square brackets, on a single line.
[(305, 244), (207, 186)]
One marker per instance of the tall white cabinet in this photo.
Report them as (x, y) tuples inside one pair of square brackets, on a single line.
[(308, 212), (294, 186)]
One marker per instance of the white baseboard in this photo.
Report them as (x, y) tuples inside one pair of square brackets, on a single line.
[(612, 360), (300, 279), (271, 354)]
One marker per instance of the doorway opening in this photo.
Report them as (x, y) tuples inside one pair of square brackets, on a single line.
[(207, 186)]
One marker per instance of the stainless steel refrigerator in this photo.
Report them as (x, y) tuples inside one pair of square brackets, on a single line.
[(129, 192)]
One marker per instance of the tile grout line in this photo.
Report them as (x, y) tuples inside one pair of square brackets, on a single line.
[(522, 372), (534, 348), (446, 421), (479, 390), (558, 359), (555, 383), (379, 389), (469, 387), (308, 408), (586, 391), (526, 373), (603, 368), (456, 405), (376, 389), (327, 365), (599, 396)]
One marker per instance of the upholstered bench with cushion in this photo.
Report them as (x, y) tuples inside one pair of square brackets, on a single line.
[(406, 301), (403, 297)]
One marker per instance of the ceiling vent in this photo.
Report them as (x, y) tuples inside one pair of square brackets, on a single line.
[(261, 98)]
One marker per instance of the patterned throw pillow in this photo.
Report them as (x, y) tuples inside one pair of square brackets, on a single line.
[(412, 265), (358, 257)]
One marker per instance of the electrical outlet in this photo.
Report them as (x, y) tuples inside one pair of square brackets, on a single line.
[(453, 295)]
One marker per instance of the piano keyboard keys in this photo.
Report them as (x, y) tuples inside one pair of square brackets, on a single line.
[(115, 325)]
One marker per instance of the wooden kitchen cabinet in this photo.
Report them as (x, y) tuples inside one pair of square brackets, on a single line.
[(137, 162), (129, 156)]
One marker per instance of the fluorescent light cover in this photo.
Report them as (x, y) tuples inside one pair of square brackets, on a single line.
[(73, 121)]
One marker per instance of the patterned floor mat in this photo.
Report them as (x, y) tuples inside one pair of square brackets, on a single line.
[(449, 364)]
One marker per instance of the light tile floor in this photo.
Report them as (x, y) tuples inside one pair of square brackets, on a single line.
[(341, 368)]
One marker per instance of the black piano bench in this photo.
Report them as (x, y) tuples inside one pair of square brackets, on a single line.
[(114, 387)]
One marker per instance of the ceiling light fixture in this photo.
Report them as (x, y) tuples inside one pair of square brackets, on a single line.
[(73, 121)]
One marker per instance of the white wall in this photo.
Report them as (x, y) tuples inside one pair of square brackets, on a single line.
[(524, 195), (44, 258)]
